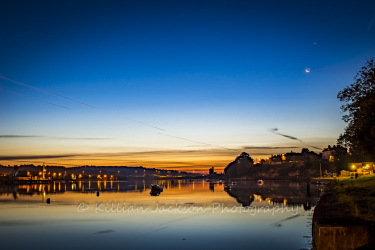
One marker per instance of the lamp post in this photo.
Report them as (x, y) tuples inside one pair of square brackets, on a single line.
[(320, 170)]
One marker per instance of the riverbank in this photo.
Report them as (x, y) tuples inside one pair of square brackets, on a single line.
[(359, 196), (343, 218)]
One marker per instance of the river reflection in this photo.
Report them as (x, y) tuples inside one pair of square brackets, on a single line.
[(187, 214), (245, 192)]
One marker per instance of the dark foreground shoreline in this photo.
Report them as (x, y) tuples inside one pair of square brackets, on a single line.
[(335, 228)]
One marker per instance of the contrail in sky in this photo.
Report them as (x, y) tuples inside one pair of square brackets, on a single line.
[(88, 105), (70, 99), (29, 97), (144, 124), (371, 23), (274, 130), (203, 143), (46, 91)]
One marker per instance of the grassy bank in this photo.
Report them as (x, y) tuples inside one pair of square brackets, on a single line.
[(358, 196)]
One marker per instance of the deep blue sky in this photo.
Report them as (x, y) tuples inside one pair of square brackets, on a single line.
[(215, 72)]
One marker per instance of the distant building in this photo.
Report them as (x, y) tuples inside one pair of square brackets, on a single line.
[(333, 153), (364, 168), (344, 173), (211, 171), (276, 159)]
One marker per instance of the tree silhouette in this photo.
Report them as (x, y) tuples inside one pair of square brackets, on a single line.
[(359, 110)]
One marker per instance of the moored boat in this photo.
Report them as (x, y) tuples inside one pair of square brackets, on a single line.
[(156, 188)]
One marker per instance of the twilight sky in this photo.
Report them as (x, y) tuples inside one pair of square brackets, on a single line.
[(175, 84)]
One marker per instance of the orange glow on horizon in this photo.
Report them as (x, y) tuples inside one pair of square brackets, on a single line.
[(199, 161)]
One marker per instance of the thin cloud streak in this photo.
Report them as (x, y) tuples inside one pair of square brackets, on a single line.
[(33, 157), (274, 130), (19, 136), (73, 138), (262, 148), (50, 137)]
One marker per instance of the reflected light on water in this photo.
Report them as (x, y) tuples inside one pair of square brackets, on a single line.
[(221, 230)]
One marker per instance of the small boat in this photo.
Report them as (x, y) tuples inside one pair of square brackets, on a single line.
[(156, 188), (154, 193), (260, 182)]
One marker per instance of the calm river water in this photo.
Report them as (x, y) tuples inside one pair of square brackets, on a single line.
[(186, 215)]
